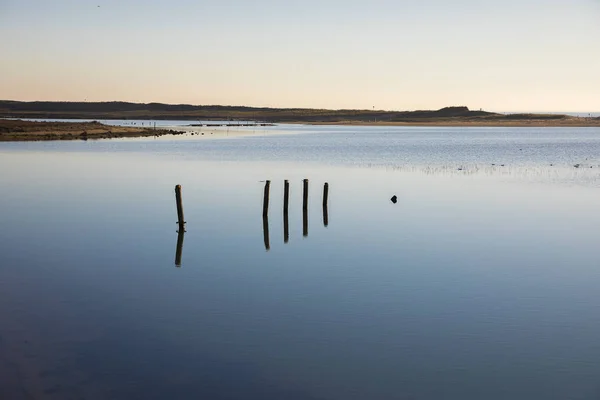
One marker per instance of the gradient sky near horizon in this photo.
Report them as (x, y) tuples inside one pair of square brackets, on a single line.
[(512, 55)]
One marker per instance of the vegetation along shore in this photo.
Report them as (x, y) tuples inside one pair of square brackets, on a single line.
[(13, 130), (18, 130)]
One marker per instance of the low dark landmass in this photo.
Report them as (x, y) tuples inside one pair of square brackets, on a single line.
[(18, 130), (452, 116)]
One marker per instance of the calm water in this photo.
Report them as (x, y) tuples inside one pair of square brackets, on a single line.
[(482, 282)]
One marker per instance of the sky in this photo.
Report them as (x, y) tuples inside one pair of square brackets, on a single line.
[(511, 55)]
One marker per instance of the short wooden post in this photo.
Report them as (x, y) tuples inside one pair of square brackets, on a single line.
[(286, 196), (305, 195), (266, 198), (180, 219), (179, 249)]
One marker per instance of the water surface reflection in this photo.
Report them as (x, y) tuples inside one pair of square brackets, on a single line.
[(473, 288), (179, 248)]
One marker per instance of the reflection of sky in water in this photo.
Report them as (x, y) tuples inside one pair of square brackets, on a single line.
[(533, 154), (474, 285)]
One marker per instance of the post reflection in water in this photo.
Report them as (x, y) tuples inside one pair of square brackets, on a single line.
[(266, 232), (304, 223), (325, 216), (286, 228), (179, 249)]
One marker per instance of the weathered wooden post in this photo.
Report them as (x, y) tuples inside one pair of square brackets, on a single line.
[(266, 199), (305, 195), (179, 249), (305, 209), (180, 219), (286, 196), (286, 201), (325, 198), (266, 232)]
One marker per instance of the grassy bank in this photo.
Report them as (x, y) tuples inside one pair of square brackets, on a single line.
[(18, 130)]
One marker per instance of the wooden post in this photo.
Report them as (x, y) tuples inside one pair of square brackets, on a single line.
[(179, 248), (266, 232), (266, 199), (180, 219), (305, 195), (305, 209), (286, 202), (325, 198), (286, 196)]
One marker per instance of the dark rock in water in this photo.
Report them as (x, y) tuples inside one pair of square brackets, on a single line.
[(394, 199), (577, 165)]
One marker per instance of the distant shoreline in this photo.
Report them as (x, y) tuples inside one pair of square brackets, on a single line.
[(16, 130), (447, 116), (575, 122)]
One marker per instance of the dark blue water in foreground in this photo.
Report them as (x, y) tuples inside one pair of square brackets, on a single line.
[(482, 282)]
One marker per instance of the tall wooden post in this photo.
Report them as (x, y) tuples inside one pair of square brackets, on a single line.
[(180, 219), (305, 195), (305, 209), (286, 196), (286, 200), (325, 198), (266, 199)]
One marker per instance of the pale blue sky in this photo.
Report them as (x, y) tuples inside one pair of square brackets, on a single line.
[(527, 55)]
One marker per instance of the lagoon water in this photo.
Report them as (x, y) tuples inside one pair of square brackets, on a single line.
[(481, 282)]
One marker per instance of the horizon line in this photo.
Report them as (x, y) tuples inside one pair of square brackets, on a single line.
[(306, 108)]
